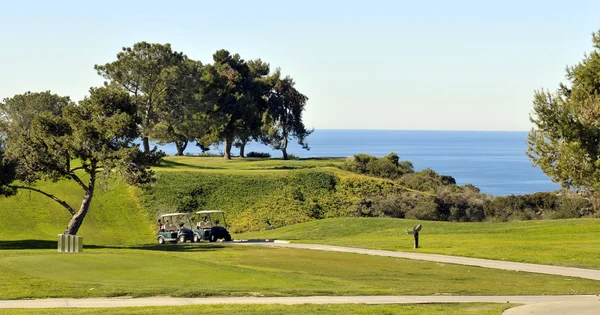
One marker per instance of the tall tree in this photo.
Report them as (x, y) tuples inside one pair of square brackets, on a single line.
[(146, 71), (17, 112), (257, 91), (91, 140), (565, 141), (283, 121), (229, 87), (181, 119)]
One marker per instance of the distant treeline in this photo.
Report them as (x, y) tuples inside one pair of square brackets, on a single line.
[(445, 200), (178, 100)]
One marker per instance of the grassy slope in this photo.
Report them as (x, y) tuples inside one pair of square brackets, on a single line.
[(349, 309), (206, 270), (112, 217), (572, 242), (254, 192)]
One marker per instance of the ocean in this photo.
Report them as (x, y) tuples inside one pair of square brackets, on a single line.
[(494, 161)]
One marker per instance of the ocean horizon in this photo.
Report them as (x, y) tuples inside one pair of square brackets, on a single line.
[(494, 161)]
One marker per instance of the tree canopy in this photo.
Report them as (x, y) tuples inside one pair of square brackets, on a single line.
[(565, 141), (283, 119), (230, 101), (146, 71), (90, 140)]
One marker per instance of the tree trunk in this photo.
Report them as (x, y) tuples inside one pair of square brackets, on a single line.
[(146, 144), (242, 148), (284, 147), (77, 219), (228, 144), (181, 145)]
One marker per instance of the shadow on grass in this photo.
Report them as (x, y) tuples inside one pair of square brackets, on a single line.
[(45, 244), (28, 244), (173, 164)]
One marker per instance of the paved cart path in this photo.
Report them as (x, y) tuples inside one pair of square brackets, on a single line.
[(486, 263), (169, 301)]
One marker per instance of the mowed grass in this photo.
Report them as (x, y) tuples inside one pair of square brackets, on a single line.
[(197, 270), (349, 309), (190, 163), (572, 242)]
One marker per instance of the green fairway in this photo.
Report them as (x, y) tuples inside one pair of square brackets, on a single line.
[(229, 270), (354, 309), (572, 242)]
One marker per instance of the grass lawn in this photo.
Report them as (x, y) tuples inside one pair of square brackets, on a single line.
[(222, 270), (572, 242), (415, 309), (189, 163)]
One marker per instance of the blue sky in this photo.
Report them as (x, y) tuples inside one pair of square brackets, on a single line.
[(424, 65)]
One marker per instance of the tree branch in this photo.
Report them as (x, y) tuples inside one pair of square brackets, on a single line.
[(61, 202), (79, 181), (77, 168)]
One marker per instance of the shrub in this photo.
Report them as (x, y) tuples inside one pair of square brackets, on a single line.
[(258, 154), (382, 168)]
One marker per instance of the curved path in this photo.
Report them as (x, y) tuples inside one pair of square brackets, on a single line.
[(533, 304), (486, 263), (168, 301)]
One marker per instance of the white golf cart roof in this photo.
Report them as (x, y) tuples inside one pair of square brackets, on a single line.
[(209, 211), (174, 214)]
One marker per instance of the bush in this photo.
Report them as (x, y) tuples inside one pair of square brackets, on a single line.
[(253, 154), (389, 167)]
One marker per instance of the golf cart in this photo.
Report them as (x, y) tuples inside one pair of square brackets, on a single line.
[(211, 226), (174, 228)]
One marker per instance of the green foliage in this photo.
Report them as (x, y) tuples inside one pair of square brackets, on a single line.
[(565, 142), (389, 167), (234, 91), (538, 206), (180, 121), (426, 180), (97, 134), (263, 155), (153, 74), (17, 112), (283, 119)]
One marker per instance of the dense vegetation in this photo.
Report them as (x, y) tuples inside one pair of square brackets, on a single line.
[(444, 200), (565, 140)]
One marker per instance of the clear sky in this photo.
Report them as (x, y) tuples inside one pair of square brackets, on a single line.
[(428, 65)]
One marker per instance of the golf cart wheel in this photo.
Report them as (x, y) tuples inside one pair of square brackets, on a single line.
[(196, 238), (212, 238), (227, 237), (181, 239), (161, 240)]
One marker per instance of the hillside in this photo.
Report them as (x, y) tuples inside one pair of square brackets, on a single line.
[(258, 192), (253, 192)]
